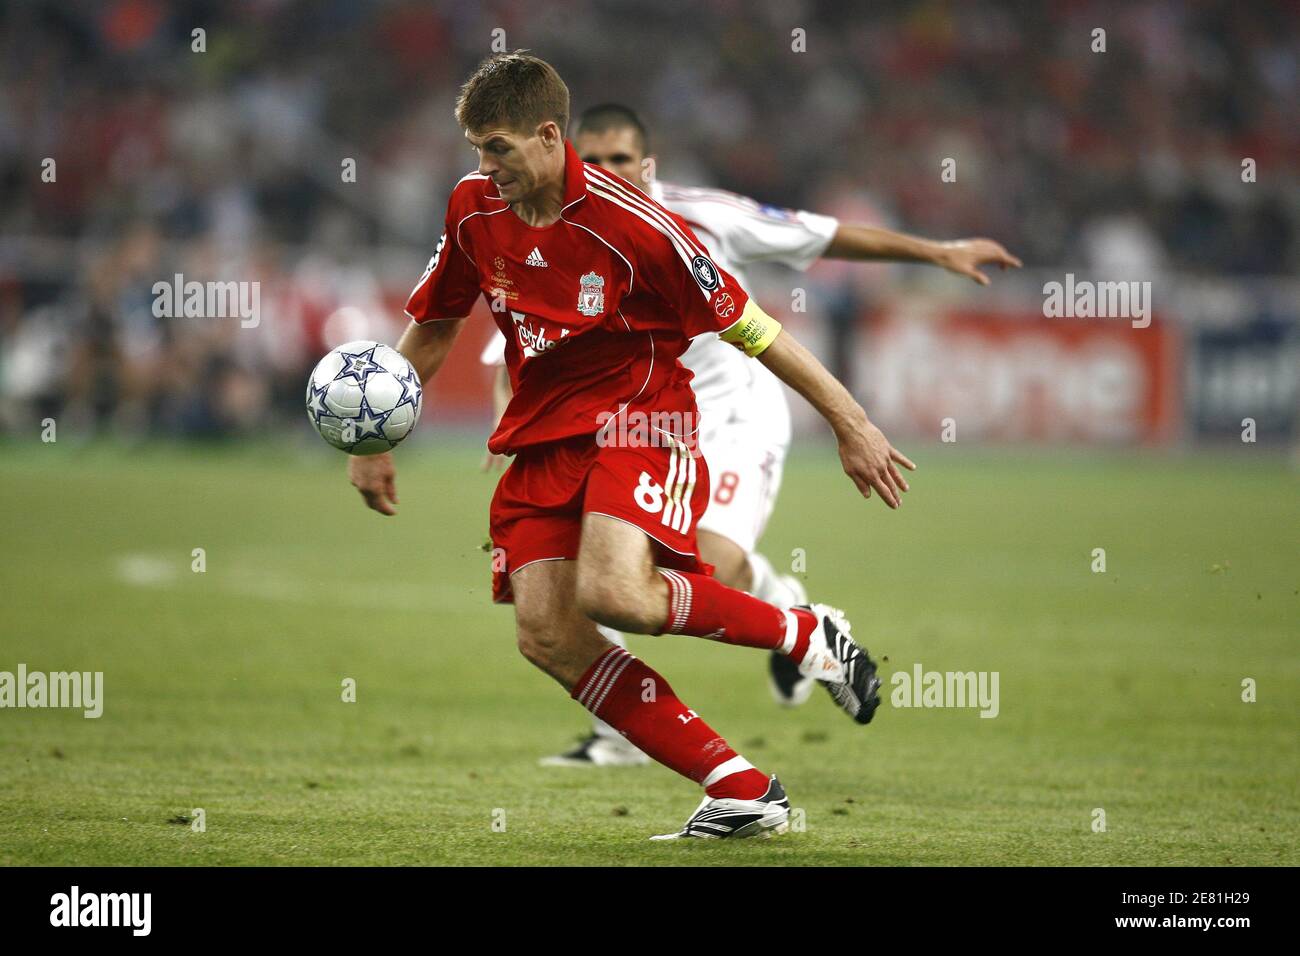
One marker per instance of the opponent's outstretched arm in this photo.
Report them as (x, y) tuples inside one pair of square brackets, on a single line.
[(962, 256), (426, 347), (501, 395), (867, 456)]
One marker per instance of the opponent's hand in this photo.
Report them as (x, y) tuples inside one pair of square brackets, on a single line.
[(965, 256), (872, 462), (376, 478), (493, 462)]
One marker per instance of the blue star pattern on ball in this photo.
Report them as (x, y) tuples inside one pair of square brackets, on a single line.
[(316, 402), (410, 383), (355, 405), (368, 423), (358, 365)]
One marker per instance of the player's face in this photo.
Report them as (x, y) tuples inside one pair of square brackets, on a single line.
[(617, 151), (517, 162)]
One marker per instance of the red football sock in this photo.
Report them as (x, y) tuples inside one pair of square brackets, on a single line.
[(704, 607), (638, 703)]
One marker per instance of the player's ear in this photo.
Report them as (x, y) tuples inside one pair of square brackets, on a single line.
[(550, 134)]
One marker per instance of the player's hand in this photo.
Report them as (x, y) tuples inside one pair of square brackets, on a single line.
[(872, 462), (965, 256), (376, 478), (493, 462)]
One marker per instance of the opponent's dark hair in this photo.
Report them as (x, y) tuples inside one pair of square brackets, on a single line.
[(607, 116)]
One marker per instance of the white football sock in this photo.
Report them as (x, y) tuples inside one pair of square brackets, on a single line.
[(768, 585)]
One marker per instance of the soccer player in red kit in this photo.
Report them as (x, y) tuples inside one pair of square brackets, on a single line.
[(599, 290)]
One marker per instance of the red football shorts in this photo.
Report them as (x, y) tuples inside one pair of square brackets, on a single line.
[(537, 510)]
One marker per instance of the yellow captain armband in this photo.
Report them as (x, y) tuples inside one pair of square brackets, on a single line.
[(753, 332)]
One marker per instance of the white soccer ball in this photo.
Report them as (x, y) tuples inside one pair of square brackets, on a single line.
[(364, 398)]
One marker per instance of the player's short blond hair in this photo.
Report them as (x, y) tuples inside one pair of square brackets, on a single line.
[(516, 90)]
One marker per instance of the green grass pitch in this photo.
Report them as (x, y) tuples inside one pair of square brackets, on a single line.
[(1119, 691)]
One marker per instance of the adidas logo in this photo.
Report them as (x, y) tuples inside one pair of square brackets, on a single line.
[(535, 258)]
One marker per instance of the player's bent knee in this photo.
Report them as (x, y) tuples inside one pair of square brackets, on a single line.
[(596, 598), (617, 585), (543, 646), (540, 636), (534, 649), (615, 602), (564, 649)]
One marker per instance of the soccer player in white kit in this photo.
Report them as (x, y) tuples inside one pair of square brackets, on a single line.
[(744, 417)]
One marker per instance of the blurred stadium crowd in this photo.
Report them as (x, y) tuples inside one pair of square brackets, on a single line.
[(226, 163)]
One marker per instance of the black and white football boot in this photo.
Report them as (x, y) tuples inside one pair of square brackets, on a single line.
[(835, 660), (726, 818), (790, 688)]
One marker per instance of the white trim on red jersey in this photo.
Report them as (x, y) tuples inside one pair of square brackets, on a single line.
[(477, 212), (638, 197), (622, 196), (793, 237), (631, 273)]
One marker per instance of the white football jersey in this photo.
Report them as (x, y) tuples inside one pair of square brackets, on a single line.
[(737, 231)]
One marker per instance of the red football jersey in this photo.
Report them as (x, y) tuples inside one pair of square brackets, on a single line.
[(595, 308)]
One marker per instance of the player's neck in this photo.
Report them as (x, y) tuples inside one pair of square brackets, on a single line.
[(542, 207)]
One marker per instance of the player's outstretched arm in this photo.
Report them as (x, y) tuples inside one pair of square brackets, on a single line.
[(425, 347), (868, 457), (427, 344), (962, 256)]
